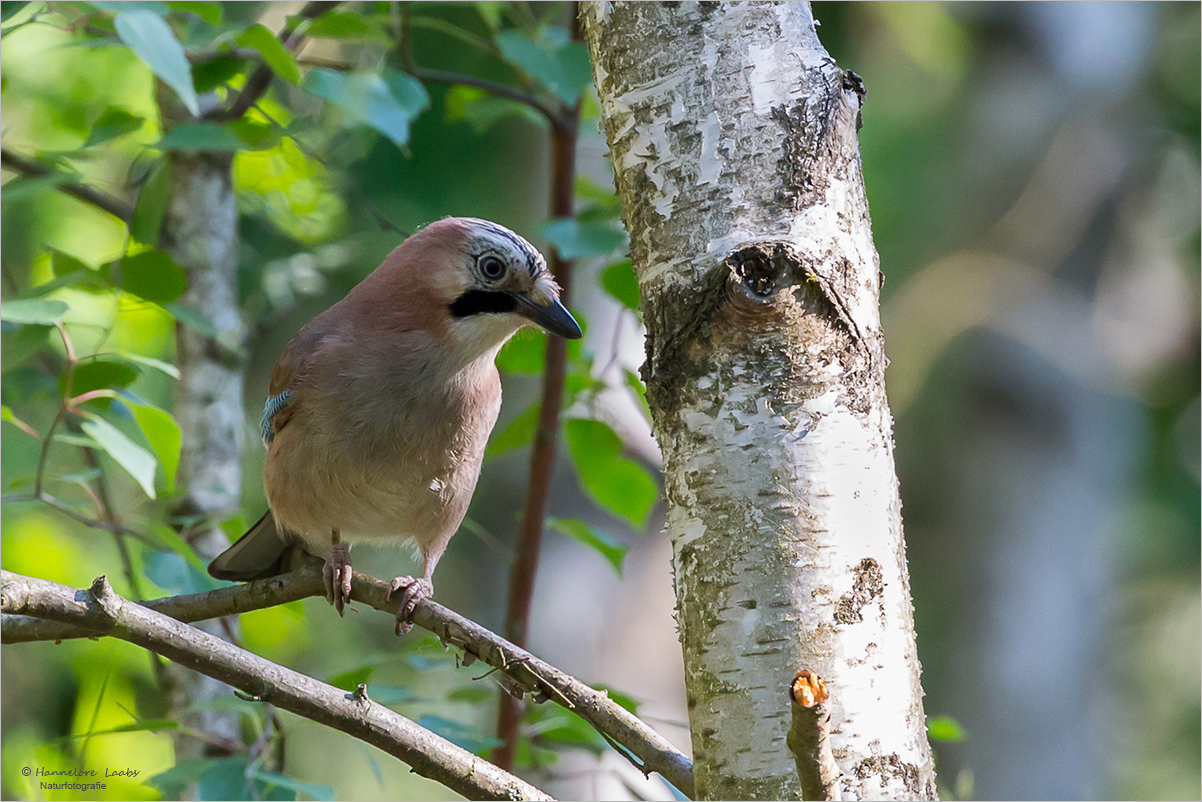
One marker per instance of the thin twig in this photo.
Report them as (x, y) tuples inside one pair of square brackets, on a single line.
[(526, 673), (66, 509), (261, 77), (561, 119), (102, 611), (809, 738), (107, 515), (101, 200), (542, 452), (558, 120), (364, 200), (64, 405)]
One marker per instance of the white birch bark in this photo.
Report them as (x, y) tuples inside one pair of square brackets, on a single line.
[(202, 235), (733, 139)]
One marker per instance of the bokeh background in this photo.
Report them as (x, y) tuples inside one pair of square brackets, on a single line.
[(1033, 175)]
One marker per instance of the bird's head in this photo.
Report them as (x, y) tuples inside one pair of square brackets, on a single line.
[(489, 281)]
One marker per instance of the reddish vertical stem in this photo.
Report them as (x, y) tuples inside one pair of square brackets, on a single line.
[(542, 454)]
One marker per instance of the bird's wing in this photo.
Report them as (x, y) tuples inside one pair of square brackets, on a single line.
[(284, 394)]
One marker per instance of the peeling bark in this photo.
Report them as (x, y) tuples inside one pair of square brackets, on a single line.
[(733, 138)]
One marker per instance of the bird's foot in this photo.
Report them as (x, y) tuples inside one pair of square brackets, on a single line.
[(413, 591), (337, 574)]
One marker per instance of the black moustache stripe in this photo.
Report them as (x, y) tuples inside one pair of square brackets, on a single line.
[(482, 302)]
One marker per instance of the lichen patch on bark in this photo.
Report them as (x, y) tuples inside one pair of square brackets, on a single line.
[(868, 585)]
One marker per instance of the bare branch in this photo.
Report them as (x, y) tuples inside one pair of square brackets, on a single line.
[(260, 79), (526, 673), (560, 119), (542, 453), (101, 200), (557, 119), (809, 738), (101, 610)]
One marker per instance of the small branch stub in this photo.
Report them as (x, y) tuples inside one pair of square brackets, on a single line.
[(809, 738)]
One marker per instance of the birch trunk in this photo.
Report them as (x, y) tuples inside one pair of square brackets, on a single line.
[(202, 235), (733, 139)]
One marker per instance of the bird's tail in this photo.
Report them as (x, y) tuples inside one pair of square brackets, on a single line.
[(260, 553)]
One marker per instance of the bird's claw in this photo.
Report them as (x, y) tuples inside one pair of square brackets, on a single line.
[(413, 591), (337, 574)]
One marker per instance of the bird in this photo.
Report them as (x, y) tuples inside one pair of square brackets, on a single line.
[(379, 409)]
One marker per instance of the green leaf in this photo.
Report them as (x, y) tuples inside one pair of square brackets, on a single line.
[(207, 11), (7, 416), (482, 111), (175, 573), (409, 92), (173, 542), (617, 483), (274, 53), (198, 137), (221, 778), (116, 6), (561, 66), (202, 325), (194, 320), (388, 694), (619, 281), (33, 312), (598, 195), (151, 207), (71, 439), (563, 729), (125, 452), (9, 8), (524, 353), (640, 390), (517, 433), (256, 135), (945, 728), (592, 537), (350, 680), (98, 374), (147, 725), (152, 275), (343, 25), (163, 434), (235, 526), (213, 73), (151, 39), (575, 239), (64, 264), (621, 699), (19, 189), (387, 103), (173, 782), (112, 123), (459, 734), (474, 694), (318, 791), (82, 477), (70, 272), (18, 344), (147, 361)]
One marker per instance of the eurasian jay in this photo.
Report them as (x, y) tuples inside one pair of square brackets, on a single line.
[(380, 407)]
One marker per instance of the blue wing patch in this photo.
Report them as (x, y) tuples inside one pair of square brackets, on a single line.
[(273, 405)]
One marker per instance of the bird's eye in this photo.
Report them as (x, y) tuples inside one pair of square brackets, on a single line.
[(492, 267)]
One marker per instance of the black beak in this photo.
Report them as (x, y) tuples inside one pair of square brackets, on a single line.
[(554, 317)]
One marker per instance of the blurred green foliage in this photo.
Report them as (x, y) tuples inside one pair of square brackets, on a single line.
[(344, 153)]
